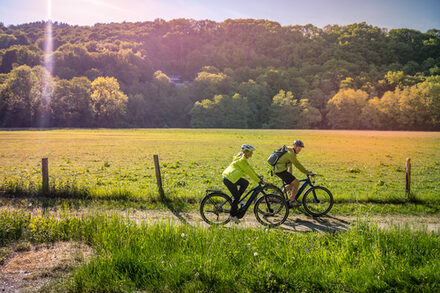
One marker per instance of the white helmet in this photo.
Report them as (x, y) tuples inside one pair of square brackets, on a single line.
[(247, 147)]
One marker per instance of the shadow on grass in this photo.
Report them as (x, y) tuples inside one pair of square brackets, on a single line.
[(75, 201), (175, 207), (311, 224), (82, 198)]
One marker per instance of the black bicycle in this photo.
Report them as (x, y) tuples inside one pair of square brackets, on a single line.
[(269, 209), (317, 200)]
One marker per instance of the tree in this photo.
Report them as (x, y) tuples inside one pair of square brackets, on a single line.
[(372, 117), (72, 60), (19, 55), (420, 104), (70, 106), (317, 98), (41, 92), (288, 112), (209, 84), (284, 111), (223, 112), (309, 116), (17, 104), (345, 109), (108, 102), (274, 79), (389, 107), (259, 101), (161, 83), (137, 110)]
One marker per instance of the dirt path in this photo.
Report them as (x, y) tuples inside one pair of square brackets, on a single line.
[(28, 267), (300, 222), (295, 222)]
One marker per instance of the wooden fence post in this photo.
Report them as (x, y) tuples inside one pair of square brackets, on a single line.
[(45, 172), (408, 178), (158, 177)]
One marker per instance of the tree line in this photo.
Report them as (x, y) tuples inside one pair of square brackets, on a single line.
[(234, 74)]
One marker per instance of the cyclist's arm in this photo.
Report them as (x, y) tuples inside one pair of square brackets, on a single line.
[(299, 166), (244, 164)]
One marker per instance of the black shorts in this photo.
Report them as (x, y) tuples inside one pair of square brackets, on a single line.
[(286, 176)]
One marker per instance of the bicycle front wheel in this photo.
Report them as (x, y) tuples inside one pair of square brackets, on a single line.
[(215, 208), (317, 201), (271, 210)]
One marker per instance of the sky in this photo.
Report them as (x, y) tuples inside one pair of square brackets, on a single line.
[(421, 15)]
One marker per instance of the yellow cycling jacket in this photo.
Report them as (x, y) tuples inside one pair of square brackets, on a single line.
[(286, 160), (238, 168)]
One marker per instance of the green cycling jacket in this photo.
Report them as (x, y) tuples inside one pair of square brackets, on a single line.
[(238, 168), (286, 160)]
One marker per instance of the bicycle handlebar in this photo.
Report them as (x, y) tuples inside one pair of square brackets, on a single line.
[(310, 176)]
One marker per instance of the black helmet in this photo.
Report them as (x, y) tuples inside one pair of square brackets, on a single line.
[(298, 143)]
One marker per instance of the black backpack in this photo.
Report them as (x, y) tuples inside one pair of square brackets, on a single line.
[(276, 155)]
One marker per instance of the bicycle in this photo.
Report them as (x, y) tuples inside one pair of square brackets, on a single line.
[(269, 209), (317, 200)]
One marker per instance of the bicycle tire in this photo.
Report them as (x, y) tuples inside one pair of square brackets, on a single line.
[(273, 189), (322, 206), (215, 208), (271, 210)]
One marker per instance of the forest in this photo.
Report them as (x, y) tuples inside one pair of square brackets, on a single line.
[(242, 73)]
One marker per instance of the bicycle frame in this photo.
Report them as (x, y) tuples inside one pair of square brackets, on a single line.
[(306, 183), (255, 191)]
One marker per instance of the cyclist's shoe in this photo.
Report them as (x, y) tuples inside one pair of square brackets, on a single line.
[(293, 203), (235, 220), (240, 214)]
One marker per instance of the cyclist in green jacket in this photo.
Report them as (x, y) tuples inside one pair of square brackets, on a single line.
[(281, 166), (232, 177)]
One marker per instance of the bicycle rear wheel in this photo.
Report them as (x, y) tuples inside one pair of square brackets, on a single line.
[(215, 208), (317, 201), (271, 210)]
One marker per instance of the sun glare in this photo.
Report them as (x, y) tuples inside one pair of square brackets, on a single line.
[(48, 65)]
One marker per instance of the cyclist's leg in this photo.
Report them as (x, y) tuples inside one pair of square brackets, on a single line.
[(292, 183), (243, 183), (294, 189), (233, 188)]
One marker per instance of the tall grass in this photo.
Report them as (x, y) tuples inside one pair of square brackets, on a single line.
[(165, 257)]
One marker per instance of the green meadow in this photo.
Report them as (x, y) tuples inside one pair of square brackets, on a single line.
[(365, 170), (114, 169)]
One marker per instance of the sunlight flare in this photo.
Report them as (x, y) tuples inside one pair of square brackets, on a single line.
[(48, 66)]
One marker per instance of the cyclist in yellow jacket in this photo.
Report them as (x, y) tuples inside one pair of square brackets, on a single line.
[(281, 166), (232, 177)]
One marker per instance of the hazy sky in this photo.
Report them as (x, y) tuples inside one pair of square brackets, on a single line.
[(419, 14)]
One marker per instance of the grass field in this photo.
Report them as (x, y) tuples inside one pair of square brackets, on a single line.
[(114, 169), (359, 167)]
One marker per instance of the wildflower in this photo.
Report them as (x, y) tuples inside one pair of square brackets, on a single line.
[(255, 254), (183, 235)]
